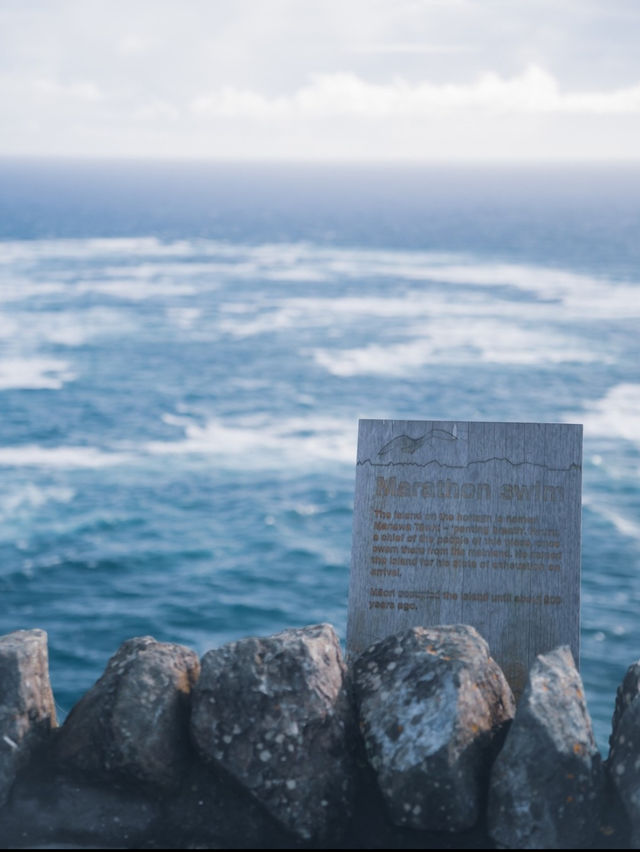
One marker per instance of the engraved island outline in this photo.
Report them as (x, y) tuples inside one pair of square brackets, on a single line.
[(406, 444)]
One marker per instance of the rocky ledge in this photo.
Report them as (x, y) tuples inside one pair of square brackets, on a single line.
[(274, 743)]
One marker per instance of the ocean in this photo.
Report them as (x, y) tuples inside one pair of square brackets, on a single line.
[(186, 348)]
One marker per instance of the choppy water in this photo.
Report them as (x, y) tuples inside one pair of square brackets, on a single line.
[(185, 353)]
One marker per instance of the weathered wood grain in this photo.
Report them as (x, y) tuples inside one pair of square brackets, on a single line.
[(475, 523)]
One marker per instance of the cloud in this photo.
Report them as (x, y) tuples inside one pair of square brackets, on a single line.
[(409, 47), (133, 44), (533, 91), (79, 91), (157, 110)]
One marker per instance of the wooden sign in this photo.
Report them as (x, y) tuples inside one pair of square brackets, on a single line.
[(468, 523)]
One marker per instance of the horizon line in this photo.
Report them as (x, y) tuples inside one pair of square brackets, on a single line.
[(322, 161)]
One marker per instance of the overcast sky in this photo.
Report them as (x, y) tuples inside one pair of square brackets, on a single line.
[(321, 79)]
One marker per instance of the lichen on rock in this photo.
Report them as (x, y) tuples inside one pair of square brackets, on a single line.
[(432, 706), (134, 721), (547, 781), (273, 712)]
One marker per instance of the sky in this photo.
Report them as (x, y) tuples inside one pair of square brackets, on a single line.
[(505, 80)]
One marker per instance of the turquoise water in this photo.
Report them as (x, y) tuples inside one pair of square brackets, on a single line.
[(185, 352)]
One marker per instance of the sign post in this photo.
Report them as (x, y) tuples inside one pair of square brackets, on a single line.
[(474, 523)]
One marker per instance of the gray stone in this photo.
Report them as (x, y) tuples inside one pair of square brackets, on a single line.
[(626, 694), (51, 810), (134, 721), (623, 763), (27, 708), (473, 523), (53, 806), (212, 811), (547, 781), (433, 706), (274, 713)]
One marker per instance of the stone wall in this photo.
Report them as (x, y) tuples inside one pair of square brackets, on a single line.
[(274, 743)]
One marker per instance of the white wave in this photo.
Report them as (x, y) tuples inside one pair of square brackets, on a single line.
[(67, 328), (263, 443), (30, 496), (256, 442), (149, 254), (306, 510), (455, 342), (66, 334), (616, 415), (582, 295), (34, 374), (8, 327), (298, 273), (183, 317), (34, 455), (136, 290), (308, 262), (267, 321), (610, 301), (374, 359), (27, 250), (245, 384), (164, 271), (623, 524), (434, 284), (23, 289), (247, 319)]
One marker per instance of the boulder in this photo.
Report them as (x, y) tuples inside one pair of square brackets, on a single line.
[(211, 810), (134, 721), (54, 810), (433, 707), (623, 763), (547, 780), (273, 713), (626, 694), (27, 708)]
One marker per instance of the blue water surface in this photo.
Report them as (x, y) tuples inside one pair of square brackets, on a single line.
[(185, 351)]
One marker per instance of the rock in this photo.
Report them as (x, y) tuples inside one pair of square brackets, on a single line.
[(626, 693), (623, 763), (53, 810), (52, 806), (433, 707), (547, 780), (134, 721), (273, 712), (27, 708), (212, 811), (372, 828)]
